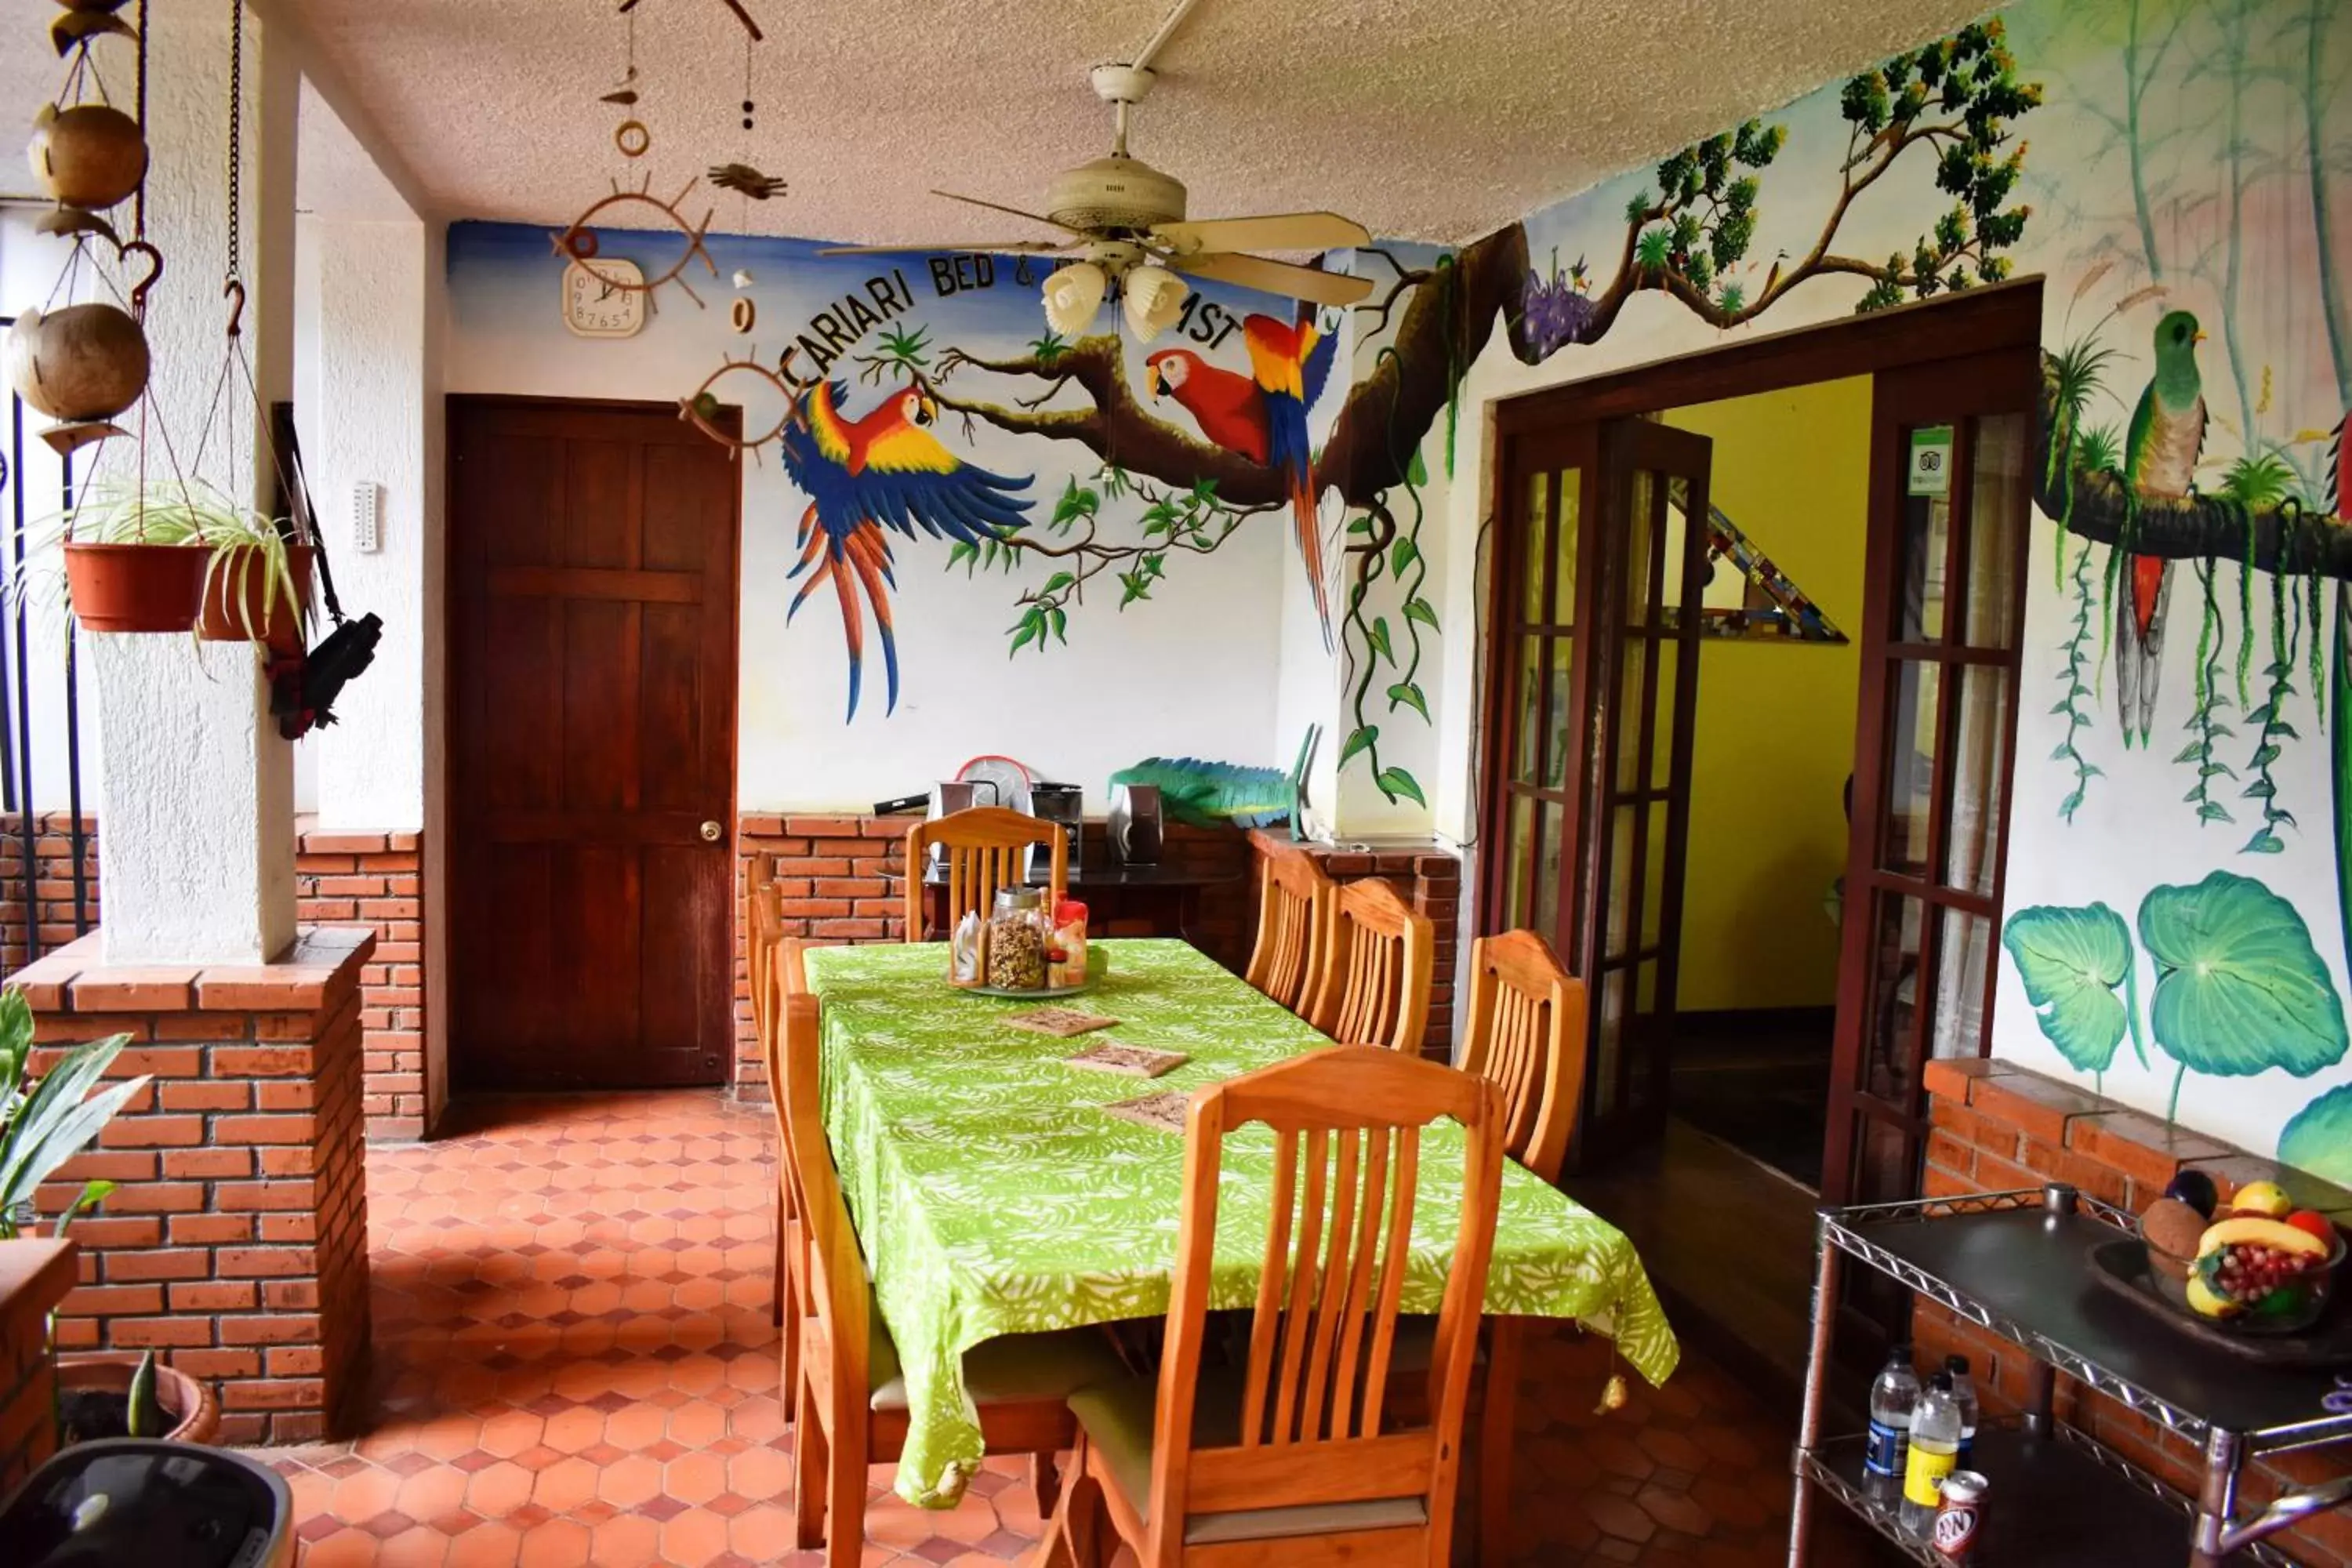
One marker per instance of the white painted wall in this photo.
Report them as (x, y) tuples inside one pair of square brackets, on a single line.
[(1194, 671)]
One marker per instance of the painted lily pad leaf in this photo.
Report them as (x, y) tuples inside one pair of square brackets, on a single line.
[(2071, 960), (2239, 988), (2319, 1137)]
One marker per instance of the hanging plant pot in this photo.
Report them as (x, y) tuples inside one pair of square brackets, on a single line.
[(135, 587), (246, 600)]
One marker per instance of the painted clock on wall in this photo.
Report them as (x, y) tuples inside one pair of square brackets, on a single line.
[(593, 308)]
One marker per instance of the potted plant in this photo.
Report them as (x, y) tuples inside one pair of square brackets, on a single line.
[(44, 1122), (170, 555)]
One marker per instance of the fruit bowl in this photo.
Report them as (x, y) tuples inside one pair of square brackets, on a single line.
[(2248, 1277)]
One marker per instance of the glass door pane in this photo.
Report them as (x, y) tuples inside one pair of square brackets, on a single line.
[(1934, 749)]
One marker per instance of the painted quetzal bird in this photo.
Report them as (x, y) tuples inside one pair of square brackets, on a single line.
[(1263, 415), (2160, 453), (884, 471)]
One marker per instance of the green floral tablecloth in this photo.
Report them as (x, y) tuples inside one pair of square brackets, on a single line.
[(992, 1196)]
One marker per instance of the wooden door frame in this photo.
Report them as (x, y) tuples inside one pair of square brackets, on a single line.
[(1986, 320), (727, 417)]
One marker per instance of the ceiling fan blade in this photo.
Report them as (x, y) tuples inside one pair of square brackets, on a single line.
[(948, 248), (1014, 212), (1273, 231), (1274, 276)]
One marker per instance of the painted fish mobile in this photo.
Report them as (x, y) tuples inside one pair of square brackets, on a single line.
[(579, 243), (883, 470), (1263, 415)]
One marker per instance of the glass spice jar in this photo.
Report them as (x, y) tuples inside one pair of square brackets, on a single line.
[(1017, 934)]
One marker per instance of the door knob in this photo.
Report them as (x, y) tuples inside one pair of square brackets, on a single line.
[(710, 832)]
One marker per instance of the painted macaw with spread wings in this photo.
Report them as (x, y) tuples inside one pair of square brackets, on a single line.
[(1263, 415), (886, 470)]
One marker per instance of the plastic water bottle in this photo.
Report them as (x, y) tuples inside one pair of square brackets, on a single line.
[(1891, 1398), (1964, 1389), (1935, 1454)]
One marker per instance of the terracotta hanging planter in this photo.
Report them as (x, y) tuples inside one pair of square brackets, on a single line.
[(238, 602), (135, 587)]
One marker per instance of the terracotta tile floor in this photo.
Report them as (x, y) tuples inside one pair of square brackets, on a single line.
[(574, 1366)]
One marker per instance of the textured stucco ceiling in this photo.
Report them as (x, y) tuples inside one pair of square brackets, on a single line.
[(1425, 119)]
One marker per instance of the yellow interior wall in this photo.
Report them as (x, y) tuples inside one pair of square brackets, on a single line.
[(1776, 719)]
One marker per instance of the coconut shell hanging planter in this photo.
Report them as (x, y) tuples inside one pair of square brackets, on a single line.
[(79, 363), (89, 156)]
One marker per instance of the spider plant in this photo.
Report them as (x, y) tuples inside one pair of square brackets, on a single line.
[(191, 514), (45, 1121)]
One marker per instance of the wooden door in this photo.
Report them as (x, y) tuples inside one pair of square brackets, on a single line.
[(591, 698), (1934, 743), (1593, 690)]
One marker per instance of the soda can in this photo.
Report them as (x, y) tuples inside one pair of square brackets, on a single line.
[(1959, 1515)]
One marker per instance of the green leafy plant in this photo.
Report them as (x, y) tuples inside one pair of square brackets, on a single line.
[(2076, 649), (2203, 726), (144, 1412), (192, 514), (48, 1120)]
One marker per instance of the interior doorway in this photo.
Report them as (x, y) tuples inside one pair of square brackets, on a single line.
[(1736, 793), (592, 563)]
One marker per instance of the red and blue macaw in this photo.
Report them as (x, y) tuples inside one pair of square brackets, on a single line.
[(886, 470), (1262, 415)]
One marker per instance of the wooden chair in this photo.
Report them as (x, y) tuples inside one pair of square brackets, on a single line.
[(1294, 902), (1286, 1458), (763, 943), (1377, 961), (986, 846), (850, 1400), (1525, 1035), (1526, 1032)]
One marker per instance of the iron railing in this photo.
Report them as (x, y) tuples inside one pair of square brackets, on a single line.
[(19, 791)]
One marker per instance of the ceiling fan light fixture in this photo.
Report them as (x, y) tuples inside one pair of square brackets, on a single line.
[(1073, 294), (1153, 297)]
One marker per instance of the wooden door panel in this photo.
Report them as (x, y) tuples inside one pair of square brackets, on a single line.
[(593, 554)]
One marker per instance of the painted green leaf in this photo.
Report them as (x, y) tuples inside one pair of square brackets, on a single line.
[(1376, 634), (1361, 740), (2318, 1138), (1057, 582), (2071, 960), (1410, 694), (1402, 554), (2238, 988), (1416, 472), (1419, 609), (1395, 782)]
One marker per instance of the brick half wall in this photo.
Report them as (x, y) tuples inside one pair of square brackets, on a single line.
[(1999, 1126), (236, 1244), (375, 880)]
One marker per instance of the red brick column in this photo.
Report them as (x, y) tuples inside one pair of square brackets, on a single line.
[(237, 1243), (368, 878), (35, 1275), (1999, 1127), (1430, 879)]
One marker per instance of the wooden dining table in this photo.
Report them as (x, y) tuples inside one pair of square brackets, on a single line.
[(993, 1194)]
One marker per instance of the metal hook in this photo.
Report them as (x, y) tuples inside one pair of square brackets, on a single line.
[(234, 292), (155, 271)]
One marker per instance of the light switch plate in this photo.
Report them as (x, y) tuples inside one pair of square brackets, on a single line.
[(367, 517)]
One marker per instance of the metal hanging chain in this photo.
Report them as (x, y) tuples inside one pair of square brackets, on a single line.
[(139, 197), (236, 132)]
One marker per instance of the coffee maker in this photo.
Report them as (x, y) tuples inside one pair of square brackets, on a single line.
[(1064, 803)]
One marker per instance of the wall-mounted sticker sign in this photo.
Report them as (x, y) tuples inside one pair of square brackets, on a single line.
[(1931, 461)]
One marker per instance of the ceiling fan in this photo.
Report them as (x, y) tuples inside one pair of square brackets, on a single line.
[(1125, 223)]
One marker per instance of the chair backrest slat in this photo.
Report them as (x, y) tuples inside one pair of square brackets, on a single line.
[(1526, 1035), (1346, 1123), (1293, 898), (830, 1271), (985, 849), (1379, 954)]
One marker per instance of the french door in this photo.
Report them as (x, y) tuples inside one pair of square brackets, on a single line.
[(1593, 688), (1935, 737)]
